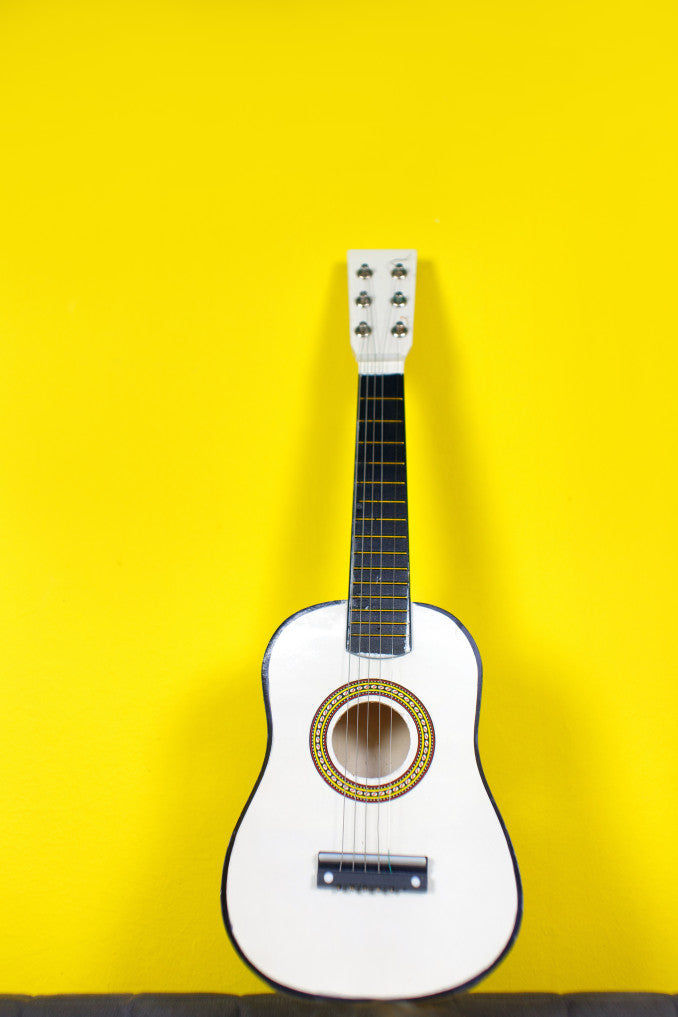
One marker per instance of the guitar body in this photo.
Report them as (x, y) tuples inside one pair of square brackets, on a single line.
[(315, 796)]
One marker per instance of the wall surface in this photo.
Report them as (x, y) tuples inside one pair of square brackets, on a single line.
[(179, 182)]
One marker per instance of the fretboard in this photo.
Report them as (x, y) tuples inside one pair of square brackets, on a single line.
[(379, 591)]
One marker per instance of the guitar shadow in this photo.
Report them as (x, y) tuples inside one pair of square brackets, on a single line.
[(540, 757)]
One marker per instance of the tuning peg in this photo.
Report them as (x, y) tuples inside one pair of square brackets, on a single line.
[(381, 286)]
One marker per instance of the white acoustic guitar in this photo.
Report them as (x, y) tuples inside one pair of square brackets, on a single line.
[(370, 861)]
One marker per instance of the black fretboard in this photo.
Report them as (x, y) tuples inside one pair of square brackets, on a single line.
[(379, 589)]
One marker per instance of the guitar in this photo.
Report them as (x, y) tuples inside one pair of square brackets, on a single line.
[(370, 861)]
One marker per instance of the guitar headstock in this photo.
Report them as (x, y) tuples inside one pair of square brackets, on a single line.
[(381, 308)]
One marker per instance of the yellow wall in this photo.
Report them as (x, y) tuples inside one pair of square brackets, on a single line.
[(178, 184)]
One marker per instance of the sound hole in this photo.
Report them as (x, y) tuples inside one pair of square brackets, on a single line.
[(370, 740)]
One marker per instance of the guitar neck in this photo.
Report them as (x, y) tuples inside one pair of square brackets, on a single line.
[(379, 590)]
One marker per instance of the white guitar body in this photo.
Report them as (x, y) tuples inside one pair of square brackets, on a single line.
[(358, 943)]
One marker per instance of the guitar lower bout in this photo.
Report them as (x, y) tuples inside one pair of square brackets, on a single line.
[(370, 861)]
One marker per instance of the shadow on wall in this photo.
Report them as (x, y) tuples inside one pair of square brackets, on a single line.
[(539, 754)]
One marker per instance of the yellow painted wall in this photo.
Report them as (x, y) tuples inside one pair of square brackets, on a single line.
[(179, 182)]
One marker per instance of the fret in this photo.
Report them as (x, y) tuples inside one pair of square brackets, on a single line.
[(378, 610), (367, 497), (379, 524), (380, 548), (378, 568), (366, 623), (388, 490), (368, 529), (370, 488), (375, 590), (376, 432), (361, 571), (383, 462), (382, 553), (382, 537), (378, 645), (377, 586), (382, 519), (381, 623), (386, 434), (393, 557), (379, 534), (386, 480)]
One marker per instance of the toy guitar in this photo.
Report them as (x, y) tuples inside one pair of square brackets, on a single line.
[(370, 861)]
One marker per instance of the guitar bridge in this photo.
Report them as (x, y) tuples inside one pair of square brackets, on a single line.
[(372, 872)]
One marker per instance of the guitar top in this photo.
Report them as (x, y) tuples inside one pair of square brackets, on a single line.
[(371, 861)]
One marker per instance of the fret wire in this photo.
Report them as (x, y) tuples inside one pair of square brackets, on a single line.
[(380, 552), (384, 568), (390, 583), (382, 621), (378, 610), (382, 519), (368, 621)]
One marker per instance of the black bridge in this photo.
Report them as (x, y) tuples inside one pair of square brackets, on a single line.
[(372, 872)]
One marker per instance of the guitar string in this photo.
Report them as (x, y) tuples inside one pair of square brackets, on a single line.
[(371, 418), (369, 450), (349, 624), (390, 712), (382, 417), (378, 417), (400, 415), (370, 663), (364, 417), (389, 801), (353, 598), (360, 425), (381, 558), (360, 622), (367, 634), (366, 657)]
